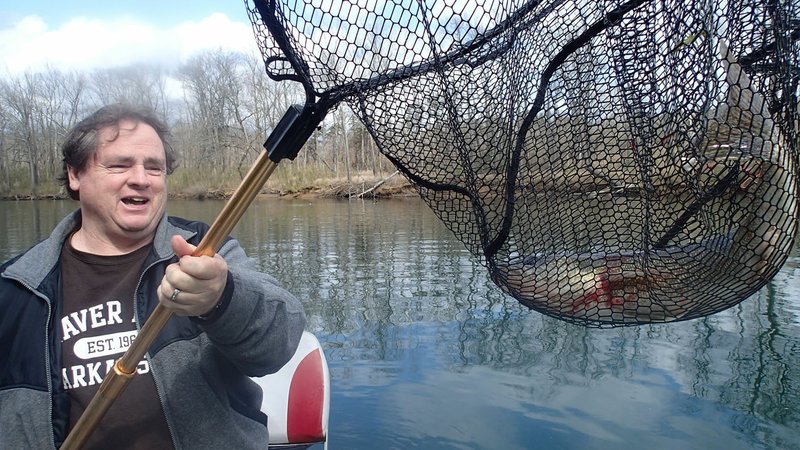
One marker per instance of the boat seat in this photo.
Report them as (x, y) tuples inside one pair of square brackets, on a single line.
[(297, 398)]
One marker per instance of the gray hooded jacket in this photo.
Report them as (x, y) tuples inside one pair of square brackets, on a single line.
[(201, 367)]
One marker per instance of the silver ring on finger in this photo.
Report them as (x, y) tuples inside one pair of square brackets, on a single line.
[(174, 295)]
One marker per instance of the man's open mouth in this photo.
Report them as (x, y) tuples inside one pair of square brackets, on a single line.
[(136, 201)]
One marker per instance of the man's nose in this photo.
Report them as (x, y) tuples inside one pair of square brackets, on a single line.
[(138, 175)]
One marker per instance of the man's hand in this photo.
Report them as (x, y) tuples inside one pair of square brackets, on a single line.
[(200, 279)]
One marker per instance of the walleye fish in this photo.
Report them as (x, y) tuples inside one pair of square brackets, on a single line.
[(613, 285)]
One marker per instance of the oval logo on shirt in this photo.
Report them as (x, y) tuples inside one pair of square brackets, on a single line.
[(108, 344)]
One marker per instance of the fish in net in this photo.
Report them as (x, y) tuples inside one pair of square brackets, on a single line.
[(610, 163)]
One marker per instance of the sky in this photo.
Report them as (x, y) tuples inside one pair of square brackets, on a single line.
[(91, 34)]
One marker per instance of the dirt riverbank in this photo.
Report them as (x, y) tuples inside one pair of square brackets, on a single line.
[(362, 187)]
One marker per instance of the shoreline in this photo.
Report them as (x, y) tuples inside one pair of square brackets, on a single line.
[(374, 189)]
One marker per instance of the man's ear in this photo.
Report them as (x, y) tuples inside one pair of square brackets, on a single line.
[(74, 181)]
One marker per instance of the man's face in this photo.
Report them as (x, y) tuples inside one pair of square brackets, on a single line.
[(123, 188)]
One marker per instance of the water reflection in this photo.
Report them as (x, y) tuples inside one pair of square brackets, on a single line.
[(26, 222), (425, 352)]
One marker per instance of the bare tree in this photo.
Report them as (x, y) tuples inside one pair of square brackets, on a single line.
[(20, 96), (211, 83), (137, 84)]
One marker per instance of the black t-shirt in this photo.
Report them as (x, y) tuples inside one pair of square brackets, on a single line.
[(98, 325)]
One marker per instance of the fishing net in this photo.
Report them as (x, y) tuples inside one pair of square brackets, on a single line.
[(610, 163)]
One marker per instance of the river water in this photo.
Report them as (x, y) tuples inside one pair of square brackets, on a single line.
[(424, 352)]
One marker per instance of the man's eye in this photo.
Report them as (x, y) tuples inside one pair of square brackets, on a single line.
[(155, 170)]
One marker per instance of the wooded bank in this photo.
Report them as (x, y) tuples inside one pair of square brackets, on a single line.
[(359, 186), (221, 107)]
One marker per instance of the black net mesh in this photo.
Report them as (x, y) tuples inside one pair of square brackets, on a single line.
[(611, 163)]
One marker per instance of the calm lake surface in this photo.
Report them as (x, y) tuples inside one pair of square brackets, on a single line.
[(425, 352)]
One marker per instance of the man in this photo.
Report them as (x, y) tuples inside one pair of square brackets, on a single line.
[(70, 306)]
